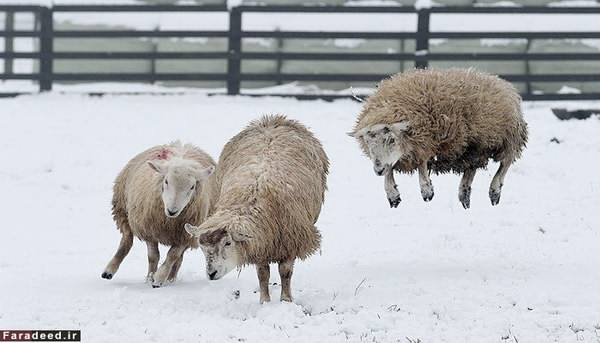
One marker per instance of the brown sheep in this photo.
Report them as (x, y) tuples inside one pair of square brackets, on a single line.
[(442, 121), (272, 178), (156, 193)]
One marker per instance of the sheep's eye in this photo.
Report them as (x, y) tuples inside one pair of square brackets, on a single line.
[(371, 134), (227, 244), (392, 141), (386, 130), (166, 182), (193, 186)]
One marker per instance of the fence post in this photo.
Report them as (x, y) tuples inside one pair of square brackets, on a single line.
[(46, 48), (9, 25), (528, 68), (235, 49), (422, 41)]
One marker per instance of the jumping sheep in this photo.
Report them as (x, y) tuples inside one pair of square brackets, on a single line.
[(442, 121), (272, 179), (156, 193)]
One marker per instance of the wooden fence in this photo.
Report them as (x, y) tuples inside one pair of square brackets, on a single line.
[(46, 56)]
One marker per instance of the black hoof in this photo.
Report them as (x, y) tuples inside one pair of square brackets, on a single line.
[(155, 286), (394, 202), (428, 197), (494, 197), (466, 204), (465, 198), (107, 276)]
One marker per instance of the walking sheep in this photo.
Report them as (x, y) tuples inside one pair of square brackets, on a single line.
[(156, 193), (272, 179), (442, 121)]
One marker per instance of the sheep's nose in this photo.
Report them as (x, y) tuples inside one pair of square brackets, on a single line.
[(171, 212), (212, 275)]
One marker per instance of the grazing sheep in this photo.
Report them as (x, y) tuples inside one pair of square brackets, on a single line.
[(156, 193), (442, 120), (272, 178)]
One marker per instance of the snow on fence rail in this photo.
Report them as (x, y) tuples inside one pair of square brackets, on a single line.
[(46, 55)]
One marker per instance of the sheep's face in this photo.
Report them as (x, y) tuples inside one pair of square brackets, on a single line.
[(180, 182), (220, 250), (383, 144)]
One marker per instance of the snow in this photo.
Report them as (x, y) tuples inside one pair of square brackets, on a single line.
[(574, 3), (592, 43), (441, 22), (421, 4), (348, 43), (498, 4), (489, 42), (71, 2), (523, 271), (568, 90), (125, 87), (372, 3), (233, 3)]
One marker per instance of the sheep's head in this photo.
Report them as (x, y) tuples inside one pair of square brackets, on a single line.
[(180, 181), (383, 143), (220, 248)]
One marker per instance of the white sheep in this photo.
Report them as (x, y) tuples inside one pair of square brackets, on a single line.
[(272, 179), (156, 193), (443, 121)]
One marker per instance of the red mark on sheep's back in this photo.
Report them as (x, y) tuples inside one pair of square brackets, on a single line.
[(164, 154)]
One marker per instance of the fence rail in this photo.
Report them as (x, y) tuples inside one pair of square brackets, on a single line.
[(46, 33)]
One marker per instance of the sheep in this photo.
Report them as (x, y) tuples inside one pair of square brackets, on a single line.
[(272, 178), (442, 121), (156, 193)]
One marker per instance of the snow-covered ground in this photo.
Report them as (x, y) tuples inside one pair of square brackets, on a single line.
[(524, 271)]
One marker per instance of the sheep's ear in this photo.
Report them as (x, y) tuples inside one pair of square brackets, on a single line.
[(158, 166), (240, 236), (399, 128), (192, 230), (351, 134), (203, 174)]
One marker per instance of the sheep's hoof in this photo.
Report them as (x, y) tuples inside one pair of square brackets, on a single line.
[(155, 286), (427, 192), (494, 196), (286, 298), (107, 275), (265, 299), (150, 278), (394, 202), (427, 196), (465, 197)]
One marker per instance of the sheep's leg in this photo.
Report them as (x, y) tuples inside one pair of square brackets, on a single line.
[(464, 189), (498, 182), (391, 189), (263, 281), (153, 258), (175, 269), (122, 251), (286, 269), (161, 275), (425, 182)]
